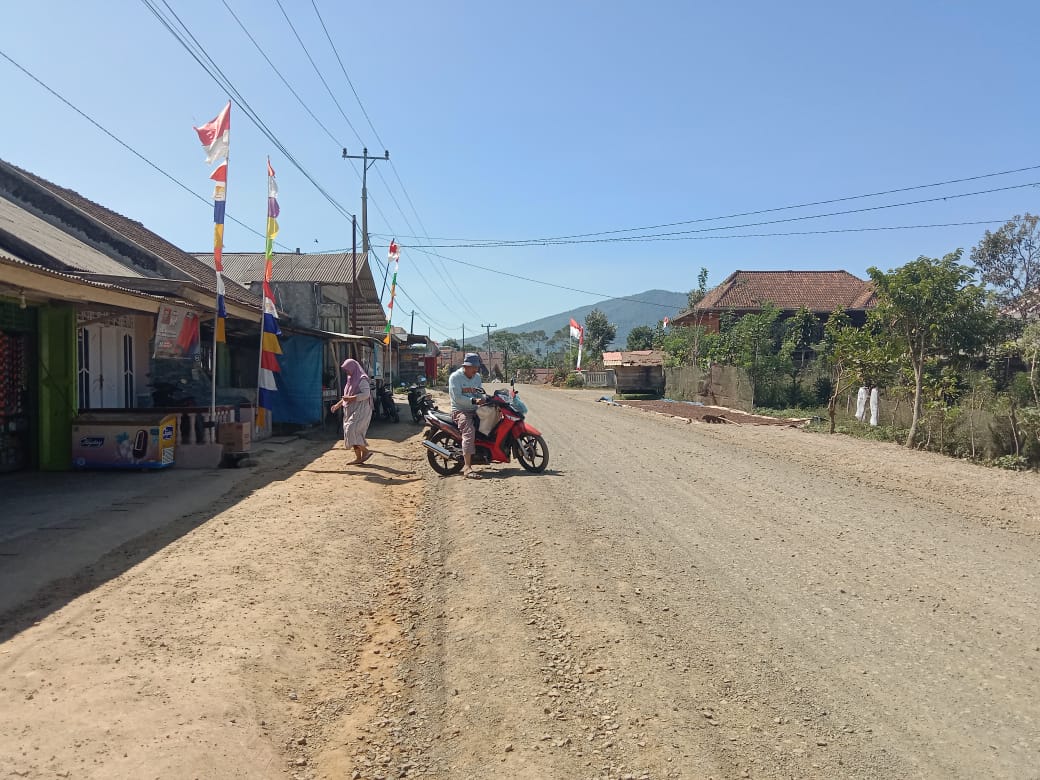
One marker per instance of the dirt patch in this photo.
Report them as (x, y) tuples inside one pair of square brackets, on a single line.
[(712, 414)]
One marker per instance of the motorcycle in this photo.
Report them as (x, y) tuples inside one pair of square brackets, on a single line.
[(385, 404), (419, 401), (511, 436)]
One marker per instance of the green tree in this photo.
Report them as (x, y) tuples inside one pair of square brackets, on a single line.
[(930, 308), (1029, 343), (640, 337), (752, 346), (511, 345), (1009, 260), (598, 334), (801, 331), (450, 344), (696, 295), (855, 357)]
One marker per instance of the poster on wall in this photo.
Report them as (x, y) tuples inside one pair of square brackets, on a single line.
[(176, 333)]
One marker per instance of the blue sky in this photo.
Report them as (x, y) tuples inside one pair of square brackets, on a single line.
[(545, 119)]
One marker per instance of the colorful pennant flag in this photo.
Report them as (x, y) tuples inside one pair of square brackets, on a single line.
[(215, 137), (393, 256), (269, 330)]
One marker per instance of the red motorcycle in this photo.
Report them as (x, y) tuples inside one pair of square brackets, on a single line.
[(512, 435)]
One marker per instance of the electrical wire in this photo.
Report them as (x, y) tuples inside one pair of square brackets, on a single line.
[(452, 286), (482, 242), (689, 234), (127, 146)]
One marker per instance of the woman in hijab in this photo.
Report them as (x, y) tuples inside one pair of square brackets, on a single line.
[(357, 410)]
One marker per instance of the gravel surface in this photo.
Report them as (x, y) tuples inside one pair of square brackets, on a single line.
[(667, 600)]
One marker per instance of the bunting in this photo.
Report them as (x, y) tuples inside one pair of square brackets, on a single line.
[(394, 256), (215, 137), (269, 330)]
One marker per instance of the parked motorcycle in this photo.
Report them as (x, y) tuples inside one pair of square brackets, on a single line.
[(511, 436), (386, 406), (419, 401)]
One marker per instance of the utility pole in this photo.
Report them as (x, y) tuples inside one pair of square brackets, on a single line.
[(411, 328), (353, 275), (463, 344), (367, 163), (489, 327)]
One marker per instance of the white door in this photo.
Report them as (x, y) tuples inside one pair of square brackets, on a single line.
[(106, 367)]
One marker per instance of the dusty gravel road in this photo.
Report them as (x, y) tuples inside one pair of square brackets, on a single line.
[(668, 600)]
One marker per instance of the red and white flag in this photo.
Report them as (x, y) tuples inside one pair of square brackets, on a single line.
[(577, 331), (215, 134)]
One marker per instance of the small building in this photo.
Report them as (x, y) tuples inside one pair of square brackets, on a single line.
[(640, 371)]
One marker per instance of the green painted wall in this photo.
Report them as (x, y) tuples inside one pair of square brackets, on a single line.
[(57, 383)]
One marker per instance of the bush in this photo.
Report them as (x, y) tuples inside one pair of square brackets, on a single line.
[(574, 379), (1011, 462)]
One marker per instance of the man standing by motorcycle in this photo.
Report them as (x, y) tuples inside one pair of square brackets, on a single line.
[(466, 390)]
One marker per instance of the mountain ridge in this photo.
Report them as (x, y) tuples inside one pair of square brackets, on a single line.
[(627, 312)]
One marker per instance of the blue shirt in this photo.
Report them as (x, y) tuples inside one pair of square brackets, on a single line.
[(462, 391)]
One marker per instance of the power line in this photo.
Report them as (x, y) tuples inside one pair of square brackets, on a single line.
[(197, 52), (452, 286), (493, 242), (127, 146), (704, 238), (688, 234)]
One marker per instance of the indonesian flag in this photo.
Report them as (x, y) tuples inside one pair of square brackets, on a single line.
[(577, 331), (665, 322), (214, 135)]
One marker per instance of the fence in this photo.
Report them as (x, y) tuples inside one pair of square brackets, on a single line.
[(727, 386)]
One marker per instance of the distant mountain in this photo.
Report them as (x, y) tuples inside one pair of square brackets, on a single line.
[(645, 308)]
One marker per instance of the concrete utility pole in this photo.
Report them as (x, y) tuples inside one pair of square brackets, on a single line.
[(367, 162), (489, 327), (353, 275)]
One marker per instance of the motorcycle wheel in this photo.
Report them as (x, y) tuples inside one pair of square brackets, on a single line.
[(393, 412), (532, 452), (439, 463)]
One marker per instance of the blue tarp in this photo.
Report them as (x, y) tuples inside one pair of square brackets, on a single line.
[(298, 399)]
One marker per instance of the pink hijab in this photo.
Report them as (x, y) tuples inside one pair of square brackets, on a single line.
[(355, 373)]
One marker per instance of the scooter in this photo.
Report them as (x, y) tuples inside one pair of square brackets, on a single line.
[(512, 435), (419, 401), (385, 403)]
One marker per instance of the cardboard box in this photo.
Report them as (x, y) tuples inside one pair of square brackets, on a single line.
[(235, 436)]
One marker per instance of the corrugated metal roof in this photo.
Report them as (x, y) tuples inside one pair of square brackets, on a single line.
[(244, 268), (57, 243)]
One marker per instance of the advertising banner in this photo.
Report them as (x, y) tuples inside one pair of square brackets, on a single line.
[(176, 333)]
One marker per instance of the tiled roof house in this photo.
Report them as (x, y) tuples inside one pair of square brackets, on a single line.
[(747, 292)]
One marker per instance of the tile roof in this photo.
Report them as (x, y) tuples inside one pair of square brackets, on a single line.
[(818, 291), (136, 233)]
